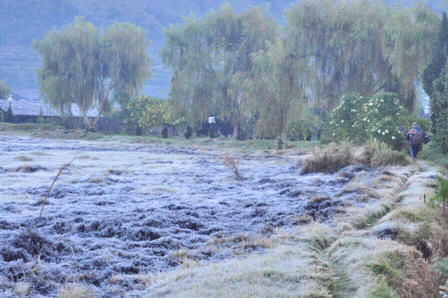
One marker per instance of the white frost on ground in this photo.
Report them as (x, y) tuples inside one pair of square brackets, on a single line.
[(122, 209)]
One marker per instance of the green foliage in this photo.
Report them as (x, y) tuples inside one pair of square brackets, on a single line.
[(146, 111), (345, 120), (211, 62), (442, 190), (303, 129), (437, 58), (439, 112), (383, 117), (435, 83), (356, 46), (441, 266), (389, 268), (84, 65), (382, 290), (4, 90), (181, 124), (409, 33), (358, 119)]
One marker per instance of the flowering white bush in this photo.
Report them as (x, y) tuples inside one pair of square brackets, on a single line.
[(359, 119), (344, 124), (383, 116)]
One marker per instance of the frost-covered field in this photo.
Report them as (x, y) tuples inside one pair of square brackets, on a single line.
[(125, 209)]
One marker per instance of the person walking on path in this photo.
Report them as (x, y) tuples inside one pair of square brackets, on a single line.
[(415, 139)]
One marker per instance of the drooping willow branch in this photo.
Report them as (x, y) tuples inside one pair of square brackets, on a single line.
[(51, 186)]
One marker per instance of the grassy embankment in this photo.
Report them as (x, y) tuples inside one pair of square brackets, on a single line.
[(343, 259), (347, 258)]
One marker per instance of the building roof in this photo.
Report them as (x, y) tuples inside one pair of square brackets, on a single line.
[(33, 107)]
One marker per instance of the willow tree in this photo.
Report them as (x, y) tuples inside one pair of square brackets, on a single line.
[(407, 47), (435, 80), (187, 51), (359, 47), (341, 45), (84, 65), (438, 58), (276, 96), (211, 59), (4, 90), (54, 77)]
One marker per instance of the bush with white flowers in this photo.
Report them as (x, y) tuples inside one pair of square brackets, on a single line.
[(344, 124), (383, 116), (358, 119)]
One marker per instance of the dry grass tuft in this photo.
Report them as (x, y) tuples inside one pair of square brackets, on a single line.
[(22, 288), (375, 154), (319, 235), (23, 158), (336, 156), (241, 243), (75, 291), (328, 160), (370, 216)]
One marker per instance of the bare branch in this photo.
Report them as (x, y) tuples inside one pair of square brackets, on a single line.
[(51, 186)]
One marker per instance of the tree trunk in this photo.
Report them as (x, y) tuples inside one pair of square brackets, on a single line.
[(235, 132), (93, 124), (88, 121)]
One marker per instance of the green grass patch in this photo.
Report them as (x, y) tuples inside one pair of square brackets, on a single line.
[(389, 267)]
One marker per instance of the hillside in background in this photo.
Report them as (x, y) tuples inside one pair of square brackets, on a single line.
[(23, 21)]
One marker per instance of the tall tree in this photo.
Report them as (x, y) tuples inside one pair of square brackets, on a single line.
[(409, 34), (275, 94), (84, 65), (211, 59), (438, 57), (341, 45), (358, 47), (54, 76), (4, 90), (439, 110)]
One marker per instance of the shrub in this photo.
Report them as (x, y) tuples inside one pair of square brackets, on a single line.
[(383, 117), (164, 132), (442, 192), (232, 163), (358, 119), (344, 121), (188, 132), (298, 131), (303, 129), (146, 111)]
